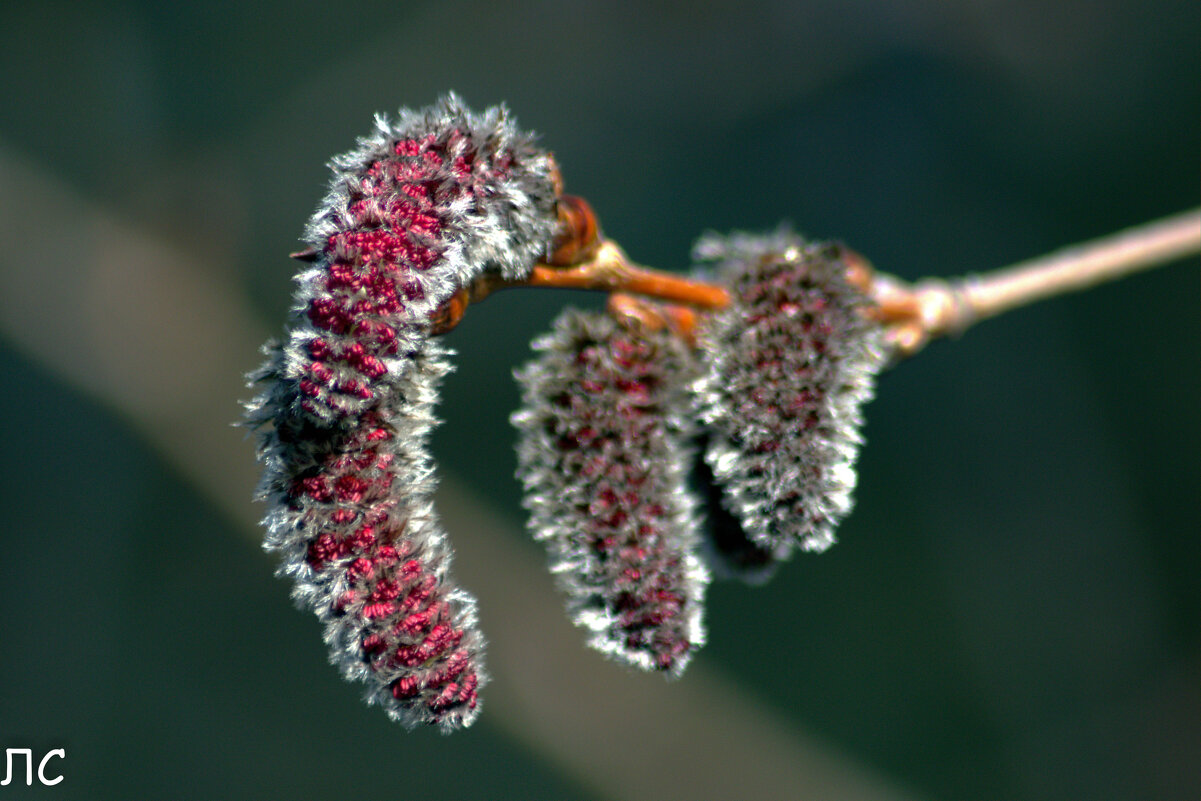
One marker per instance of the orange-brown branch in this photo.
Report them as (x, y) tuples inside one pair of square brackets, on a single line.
[(640, 313), (607, 269), (610, 270)]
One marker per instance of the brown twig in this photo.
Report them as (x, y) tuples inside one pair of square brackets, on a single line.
[(640, 314), (610, 270), (913, 313), (917, 313)]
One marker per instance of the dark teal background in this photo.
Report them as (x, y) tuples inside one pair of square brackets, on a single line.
[(1013, 612)]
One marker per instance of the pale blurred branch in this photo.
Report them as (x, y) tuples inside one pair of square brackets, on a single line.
[(932, 308)]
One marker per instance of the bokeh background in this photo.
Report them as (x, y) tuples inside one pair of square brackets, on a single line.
[(1013, 611)]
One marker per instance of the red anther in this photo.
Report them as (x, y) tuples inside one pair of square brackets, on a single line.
[(377, 610), (405, 687)]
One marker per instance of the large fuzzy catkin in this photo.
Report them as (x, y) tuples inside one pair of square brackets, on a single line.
[(789, 365), (419, 209), (603, 457)]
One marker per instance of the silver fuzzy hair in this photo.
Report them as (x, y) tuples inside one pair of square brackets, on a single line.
[(505, 229), (505, 225), (781, 403), (290, 522), (725, 547), (561, 396)]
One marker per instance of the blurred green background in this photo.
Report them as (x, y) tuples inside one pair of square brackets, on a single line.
[(1013, 611)]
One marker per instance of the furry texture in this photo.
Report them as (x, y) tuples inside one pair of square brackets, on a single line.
[(603, 459), (421, 207), (725, 548), (788, 367)]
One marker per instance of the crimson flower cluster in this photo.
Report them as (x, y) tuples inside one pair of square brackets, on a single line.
[(603, 459), (789, 366), (420, 208), (653, 456)]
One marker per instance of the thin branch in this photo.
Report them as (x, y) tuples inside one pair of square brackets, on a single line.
[(915, 314), (610, 270)]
